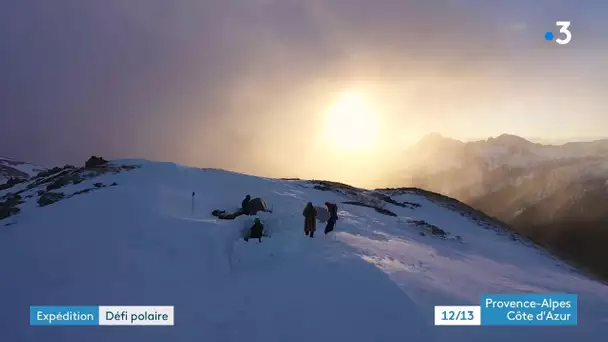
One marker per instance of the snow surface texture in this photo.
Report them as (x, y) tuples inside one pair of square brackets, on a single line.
[(375, 279)]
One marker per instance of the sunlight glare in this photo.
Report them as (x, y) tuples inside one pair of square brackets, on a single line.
[(351, 123)]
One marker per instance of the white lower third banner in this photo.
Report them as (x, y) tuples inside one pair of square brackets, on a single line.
[(136, 315)]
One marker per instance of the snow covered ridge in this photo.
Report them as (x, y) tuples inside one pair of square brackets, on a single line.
[(149, 242), (10, 168), (380, 199), (51, 186)]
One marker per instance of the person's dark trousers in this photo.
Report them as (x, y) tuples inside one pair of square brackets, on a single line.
[(330, 225), (309, 226), (312, 234)]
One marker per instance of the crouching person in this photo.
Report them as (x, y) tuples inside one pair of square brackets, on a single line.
[(256, 231)]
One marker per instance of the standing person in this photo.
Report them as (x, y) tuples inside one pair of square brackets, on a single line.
[(310, 219), (333, 216)]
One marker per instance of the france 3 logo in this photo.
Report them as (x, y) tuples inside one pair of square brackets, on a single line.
[(565, 34)]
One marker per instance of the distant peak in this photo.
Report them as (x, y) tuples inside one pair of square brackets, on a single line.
[(433, 135), (510, 139), (434, 138)]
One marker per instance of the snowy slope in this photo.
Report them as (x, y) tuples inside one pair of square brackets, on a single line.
[(376, 279), (17, 169)]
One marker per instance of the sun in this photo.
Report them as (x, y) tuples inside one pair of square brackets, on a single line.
[(351, 122)]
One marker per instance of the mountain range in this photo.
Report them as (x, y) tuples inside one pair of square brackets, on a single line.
[(555, 194)]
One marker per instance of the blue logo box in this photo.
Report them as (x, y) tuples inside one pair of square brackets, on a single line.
[(64, 315), (529, 309)]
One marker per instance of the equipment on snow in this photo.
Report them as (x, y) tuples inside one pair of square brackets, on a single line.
[(322, 214), (222, 214), (256, 205), (249, 207)]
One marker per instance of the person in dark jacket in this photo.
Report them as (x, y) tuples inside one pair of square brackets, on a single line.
[(256, 231), (244, 204), (310, 219), (333, 216)]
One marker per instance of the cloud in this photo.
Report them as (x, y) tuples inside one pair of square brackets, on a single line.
[(517, 27), (163, 79)]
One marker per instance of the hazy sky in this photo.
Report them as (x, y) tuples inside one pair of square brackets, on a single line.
[(200, 81)]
